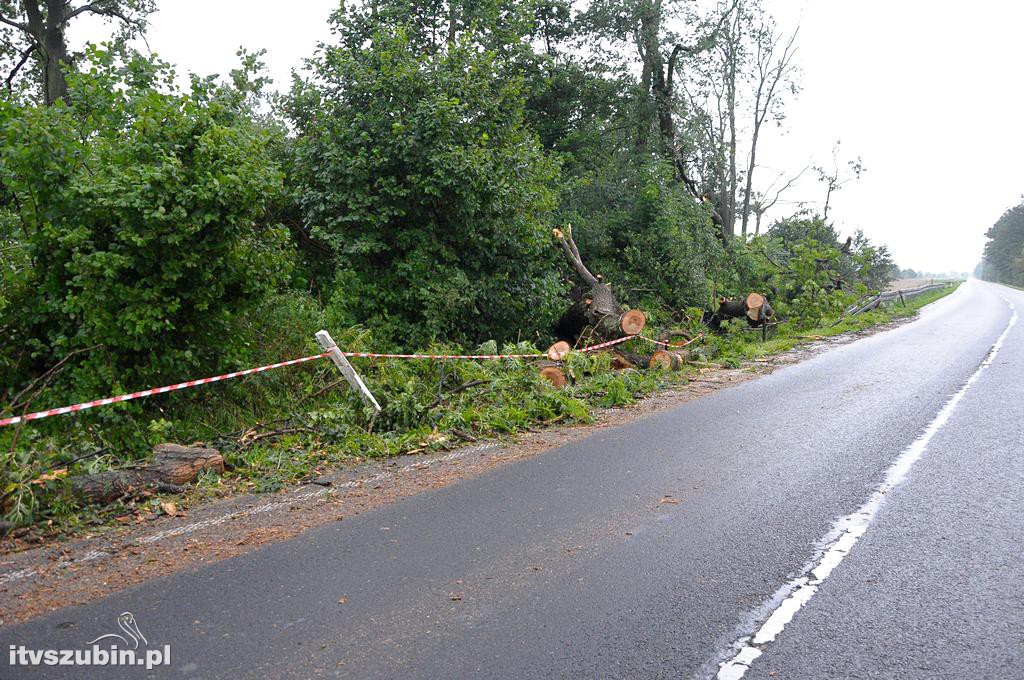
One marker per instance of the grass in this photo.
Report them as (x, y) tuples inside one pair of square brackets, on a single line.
[(280, 427)]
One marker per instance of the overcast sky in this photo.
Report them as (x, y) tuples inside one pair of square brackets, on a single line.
[(927, 92)]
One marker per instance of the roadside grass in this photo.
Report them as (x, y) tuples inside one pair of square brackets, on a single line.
[(281, 427)]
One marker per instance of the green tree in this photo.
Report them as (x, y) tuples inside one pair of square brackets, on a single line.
[(136, 213), (33, 38), (420, 175), (1004, 253)]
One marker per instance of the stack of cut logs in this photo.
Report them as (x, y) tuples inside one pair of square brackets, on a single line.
[(598, 317)]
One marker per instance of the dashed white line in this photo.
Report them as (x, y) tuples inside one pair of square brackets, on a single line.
[(790, 598)]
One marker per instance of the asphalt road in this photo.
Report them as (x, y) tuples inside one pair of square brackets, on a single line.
[(577, 563)]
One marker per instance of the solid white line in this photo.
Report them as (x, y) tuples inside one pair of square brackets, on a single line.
[(834, 546)]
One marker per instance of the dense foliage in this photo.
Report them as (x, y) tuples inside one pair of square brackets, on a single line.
[(402, 193), (134, 218), (1004, 253), (434, 198)]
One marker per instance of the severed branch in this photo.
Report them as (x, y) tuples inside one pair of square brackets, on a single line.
[(568, 244)]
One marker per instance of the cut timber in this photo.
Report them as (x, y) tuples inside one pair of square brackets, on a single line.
[(558, 350), (554, 375), (597, 308), (665, 360), (632, 322), (171, 466), (754, 303)]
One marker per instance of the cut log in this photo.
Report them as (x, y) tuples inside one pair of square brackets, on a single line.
[(554, 375), (632, 322), (665, 360), (558, 350), (755, 307), (172, 466), (754, 303)]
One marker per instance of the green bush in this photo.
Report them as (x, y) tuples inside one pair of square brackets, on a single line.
[(138, 212), (648, 237), (419, 175)]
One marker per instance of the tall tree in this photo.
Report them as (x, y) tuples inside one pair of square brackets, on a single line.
[(643, 25), (1004, 253), (773, 69), (37, 34)]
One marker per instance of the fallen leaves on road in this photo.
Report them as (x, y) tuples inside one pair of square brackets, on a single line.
[(669, 500)]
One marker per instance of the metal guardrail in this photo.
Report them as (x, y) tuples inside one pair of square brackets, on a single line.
[(873, 301)]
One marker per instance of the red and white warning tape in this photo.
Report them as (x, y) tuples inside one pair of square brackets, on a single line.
[(673, 345), (227, 376), (376, 355), (156, 390), (602, 345)]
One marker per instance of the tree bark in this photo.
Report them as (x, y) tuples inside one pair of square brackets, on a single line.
[(171, 466), (56, 48)]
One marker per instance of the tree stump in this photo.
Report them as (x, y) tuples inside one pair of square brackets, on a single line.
[(172, 466), (554, 375), (558, 350), (667, 360)]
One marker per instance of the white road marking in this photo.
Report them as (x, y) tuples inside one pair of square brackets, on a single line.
[(258, 509), (834, 546)]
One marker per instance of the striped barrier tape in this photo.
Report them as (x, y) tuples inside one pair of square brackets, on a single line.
[(671, 345), (156, 390), (14, 420), (377, 355)]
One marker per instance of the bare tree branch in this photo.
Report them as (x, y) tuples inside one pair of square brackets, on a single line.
[(10, 22), (102, 7), (21, 62)]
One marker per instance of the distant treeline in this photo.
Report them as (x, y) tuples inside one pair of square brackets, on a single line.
[(1004, 253)]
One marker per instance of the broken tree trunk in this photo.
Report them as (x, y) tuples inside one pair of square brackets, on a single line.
[(599, 309), (172, 466), (754, 307)]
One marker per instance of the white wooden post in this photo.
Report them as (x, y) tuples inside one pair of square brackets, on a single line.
[(328, 345)]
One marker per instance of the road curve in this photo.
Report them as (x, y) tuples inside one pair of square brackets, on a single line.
[(653, 549)]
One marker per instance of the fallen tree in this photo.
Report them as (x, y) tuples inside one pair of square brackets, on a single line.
[(171, 467), (597, 314)]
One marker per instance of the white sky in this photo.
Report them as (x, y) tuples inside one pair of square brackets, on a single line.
[(927, 92)]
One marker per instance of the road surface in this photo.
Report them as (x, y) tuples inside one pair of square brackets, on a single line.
[(670, 547)]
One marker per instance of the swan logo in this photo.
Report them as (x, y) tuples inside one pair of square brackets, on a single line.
[(125, 622), (117, 649)]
